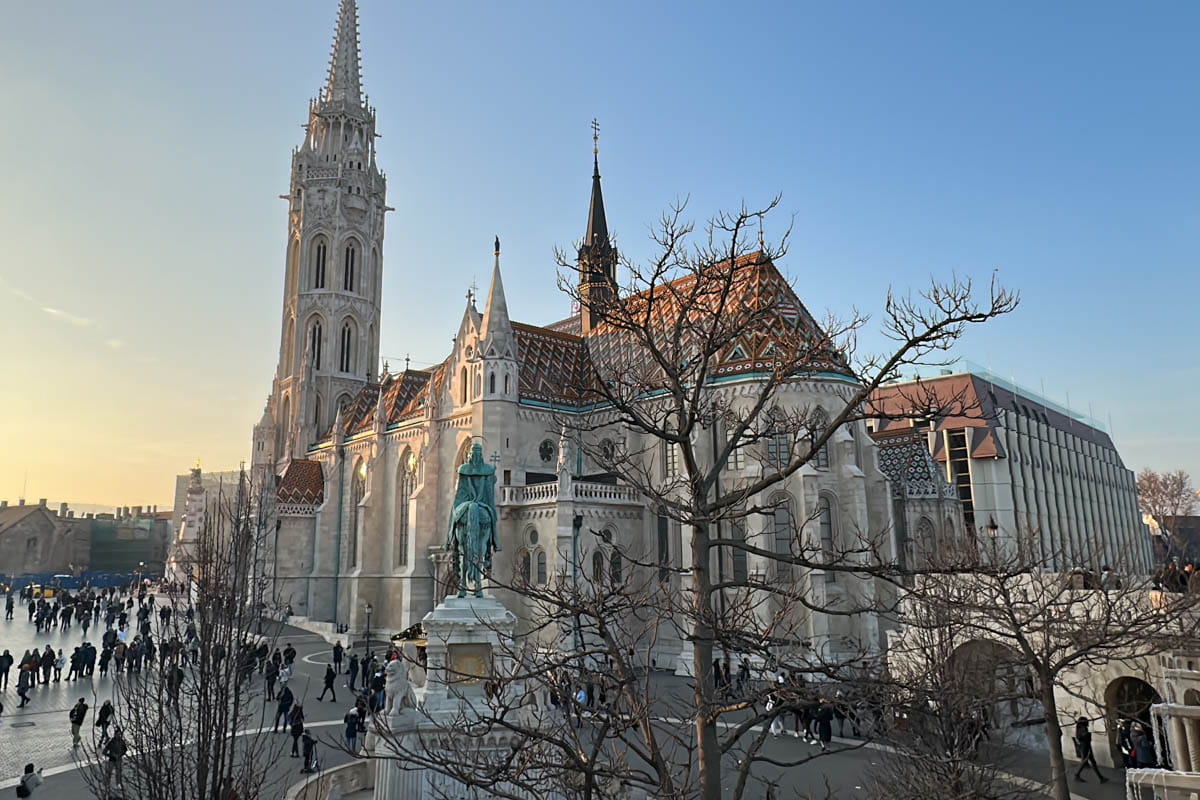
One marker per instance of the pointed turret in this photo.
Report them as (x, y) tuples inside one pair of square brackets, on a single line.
[(497, 328), (597, 256), (345, 76)]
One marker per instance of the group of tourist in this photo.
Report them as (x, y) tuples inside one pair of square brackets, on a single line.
[(1173, 578)]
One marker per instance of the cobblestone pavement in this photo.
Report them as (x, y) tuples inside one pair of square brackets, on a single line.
[(41, 733)]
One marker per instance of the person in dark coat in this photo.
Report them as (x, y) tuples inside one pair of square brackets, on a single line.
[(338, 650), (330, 677), (284, 709), (309, 745), (1083, 749), (824, 725), (270, 675), (296, 721), (353, 670)]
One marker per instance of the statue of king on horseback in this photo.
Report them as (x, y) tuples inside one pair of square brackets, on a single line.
[(472, 537)]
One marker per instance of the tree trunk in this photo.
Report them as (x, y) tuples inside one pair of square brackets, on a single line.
[(708, 748), (1058, 765)]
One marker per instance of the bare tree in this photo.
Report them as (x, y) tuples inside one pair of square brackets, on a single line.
[(187, 710), (1053, 627), (1165, 497), (750, 580)]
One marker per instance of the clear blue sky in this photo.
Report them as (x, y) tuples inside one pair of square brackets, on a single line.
[(146, 145)]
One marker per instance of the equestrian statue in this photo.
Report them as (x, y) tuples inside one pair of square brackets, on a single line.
[(472, 536)]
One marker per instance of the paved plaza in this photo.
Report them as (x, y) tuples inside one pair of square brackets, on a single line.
[(40, 732)]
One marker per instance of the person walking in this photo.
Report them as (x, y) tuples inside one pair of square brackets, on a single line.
[(309, 745), (270, 675), (1083, 749), (284, 709), (115, 751), (351, 731), (296, 721), (330, 677), (30, 780), (103, 718), (338, 651), (24, 681), (353, 671), (9, 605), (77, 716), (6, 662)]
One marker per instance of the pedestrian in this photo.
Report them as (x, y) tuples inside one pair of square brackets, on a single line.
[(30, 780), (296, 721), (774, 700), (338, 650), (289, 654), (60, 661), (1083, 751), (6, 662), (103, 718), (270, 675), (309, 745), (77, 716), (24, 681), (330, 677), (824, 725), (353, 670), (1143, 748), (114, 751), (9, 605), (284, 709), (351, 731), (378, 697)]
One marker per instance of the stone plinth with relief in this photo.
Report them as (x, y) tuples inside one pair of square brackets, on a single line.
[(469, 641)]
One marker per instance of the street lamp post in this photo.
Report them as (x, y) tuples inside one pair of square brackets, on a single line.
[(368, 608)]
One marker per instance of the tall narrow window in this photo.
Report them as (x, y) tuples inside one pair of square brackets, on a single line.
[(820, 458), (314, 344), (491, 383), (316, 417), (614, 567), (737, 458), (506, 390), (320, 253), (779, 451), (358, 488), (462, 380), (825, 521), (541, 567), (781, 521), (597, 566), (346, 353), (664, 548), (404, 487), (737, 555), (670, 460), (348, 267)]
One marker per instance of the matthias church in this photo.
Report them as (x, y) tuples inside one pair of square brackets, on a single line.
[(363, 461)]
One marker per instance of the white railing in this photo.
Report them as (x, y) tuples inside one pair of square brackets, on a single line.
[(583, 492)]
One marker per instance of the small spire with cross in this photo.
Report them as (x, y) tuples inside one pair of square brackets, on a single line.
[(406, 361), (595, 137)]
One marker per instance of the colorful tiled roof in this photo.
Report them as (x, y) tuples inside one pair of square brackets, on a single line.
[(551, 365), (302, 484), (910, 469), (398, 391)]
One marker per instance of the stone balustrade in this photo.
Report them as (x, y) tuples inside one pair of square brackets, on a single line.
[(579, 491)]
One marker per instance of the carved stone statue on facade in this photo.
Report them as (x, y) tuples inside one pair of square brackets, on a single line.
[(472, 537)]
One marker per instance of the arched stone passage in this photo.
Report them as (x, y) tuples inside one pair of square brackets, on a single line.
[(1126, 698), (996, 674)]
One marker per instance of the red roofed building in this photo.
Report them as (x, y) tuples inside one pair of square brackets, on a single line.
[(1045, 481)]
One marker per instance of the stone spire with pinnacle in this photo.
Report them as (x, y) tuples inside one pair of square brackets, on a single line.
[(345, 76), (497, 332), (597, 256)]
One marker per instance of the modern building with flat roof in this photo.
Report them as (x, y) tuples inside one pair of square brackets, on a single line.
[(1048, 484)]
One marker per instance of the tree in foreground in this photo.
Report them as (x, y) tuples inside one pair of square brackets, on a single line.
[(578, 709), (1165, 497), (1052, 628), (191, 717)]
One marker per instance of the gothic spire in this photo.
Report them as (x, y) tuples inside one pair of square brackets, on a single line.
[(597, 226), (497, 328), (345, 76)]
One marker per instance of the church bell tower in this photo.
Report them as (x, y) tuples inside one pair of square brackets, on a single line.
[(597, 256), (333, 272)]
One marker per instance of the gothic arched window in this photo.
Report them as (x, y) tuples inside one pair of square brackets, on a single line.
[(597, 566), (314, 343), (320, 255), (316, 417), (541, 567), (346, 352), (358, 489), (350, 261), (825, 526), (614, 567), (491, 383), (462, 379), (781, 525), (506, 382), (404, 487)]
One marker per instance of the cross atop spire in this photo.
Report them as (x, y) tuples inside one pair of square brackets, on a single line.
[(597, 225), (345, 75)]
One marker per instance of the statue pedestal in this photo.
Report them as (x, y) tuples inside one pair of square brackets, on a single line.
[(469, 641)]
